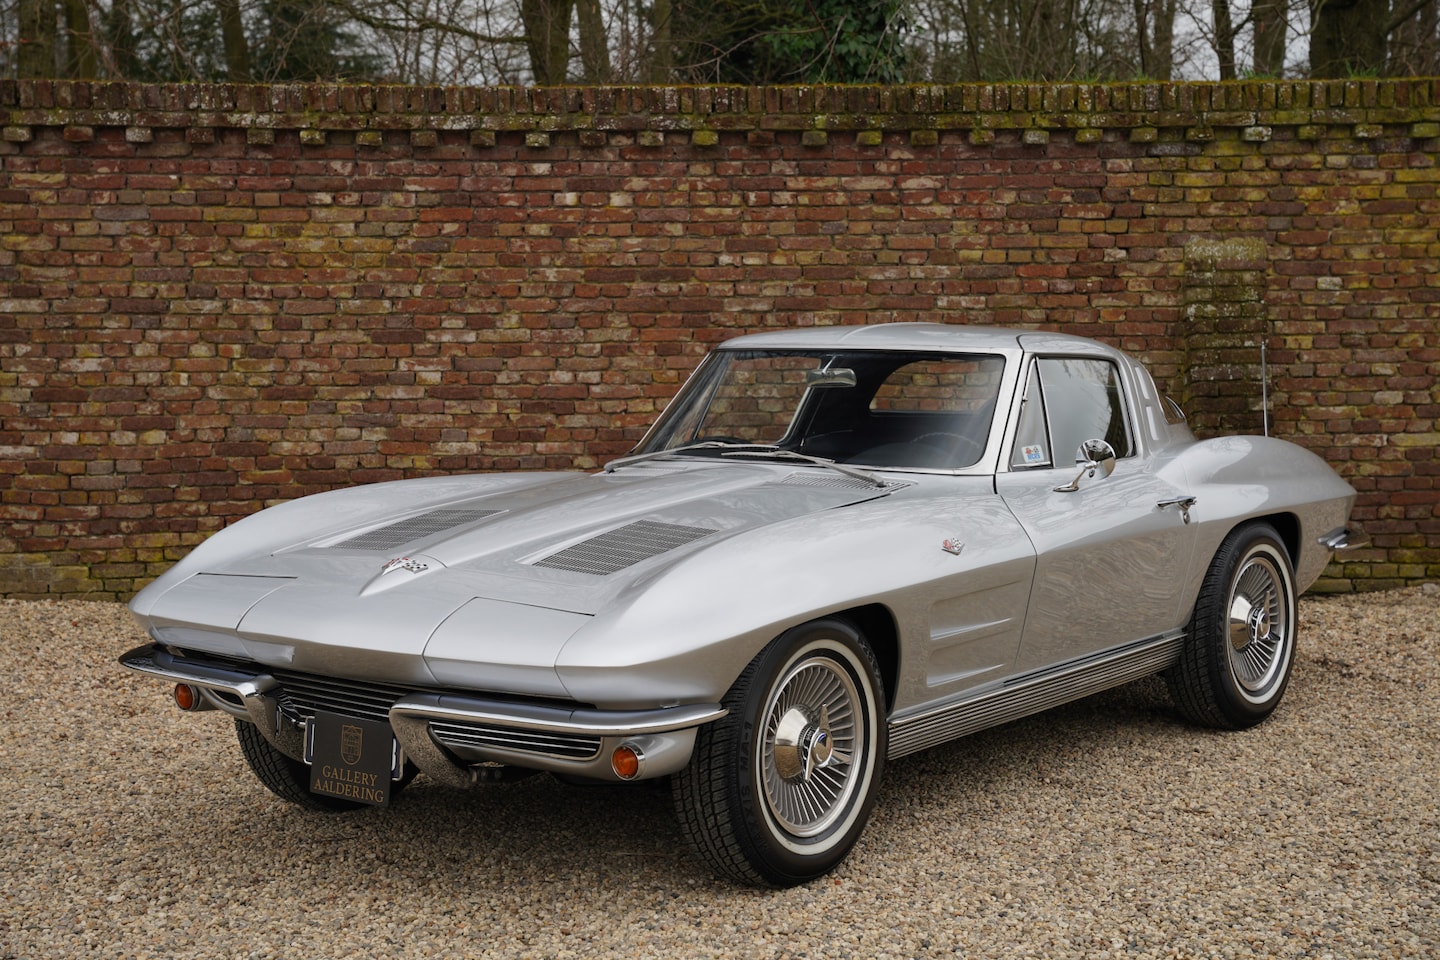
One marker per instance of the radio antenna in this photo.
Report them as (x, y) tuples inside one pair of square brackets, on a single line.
[(1264, 391)]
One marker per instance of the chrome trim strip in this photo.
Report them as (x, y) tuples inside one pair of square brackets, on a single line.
[(580, 721), (1033, 693), (154, 661), (666, 735)]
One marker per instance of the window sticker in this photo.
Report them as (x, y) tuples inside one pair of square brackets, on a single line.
[(1033, 454)]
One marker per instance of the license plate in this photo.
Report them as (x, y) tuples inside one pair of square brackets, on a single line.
[(351, 759)]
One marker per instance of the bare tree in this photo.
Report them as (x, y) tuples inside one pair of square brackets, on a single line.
[(35, 56), (1224, 38), (1415, 44), (237, 49), (594, 46), (1271, 23), (81, 59), (1155, 37), (1372, 37), (666, 41), (1348, 36), (660, 62), (547, 37)]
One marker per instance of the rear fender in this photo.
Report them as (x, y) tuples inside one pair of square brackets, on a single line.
[(1239, 480)]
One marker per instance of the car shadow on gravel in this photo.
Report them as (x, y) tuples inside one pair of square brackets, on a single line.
[(535, 830), (543, 830)]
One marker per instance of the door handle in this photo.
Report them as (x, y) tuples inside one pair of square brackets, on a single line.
[(1184, 503)]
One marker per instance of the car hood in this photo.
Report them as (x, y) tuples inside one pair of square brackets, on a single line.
[(377, 574)]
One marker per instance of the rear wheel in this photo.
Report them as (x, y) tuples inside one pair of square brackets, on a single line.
[(778, 791), (1236, 662)]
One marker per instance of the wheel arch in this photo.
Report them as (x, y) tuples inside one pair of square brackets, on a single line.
[(1287, 525), (877, 624)]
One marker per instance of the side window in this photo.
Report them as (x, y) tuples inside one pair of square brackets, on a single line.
[(1067, 401), (1083, 400)]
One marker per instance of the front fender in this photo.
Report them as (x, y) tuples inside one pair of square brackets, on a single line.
[(687, 633)]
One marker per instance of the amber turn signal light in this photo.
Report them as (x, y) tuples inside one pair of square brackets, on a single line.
[(627, 761), (187, 697)]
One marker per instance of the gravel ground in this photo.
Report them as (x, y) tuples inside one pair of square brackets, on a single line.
[(1103, 829)]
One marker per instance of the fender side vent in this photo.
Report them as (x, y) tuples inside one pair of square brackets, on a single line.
[(404, 531), (623, 547)]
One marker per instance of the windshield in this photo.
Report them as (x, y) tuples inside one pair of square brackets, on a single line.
[(867, 408)]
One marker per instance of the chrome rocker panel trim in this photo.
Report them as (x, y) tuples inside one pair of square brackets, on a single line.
[(1033, 693), (449, 736)]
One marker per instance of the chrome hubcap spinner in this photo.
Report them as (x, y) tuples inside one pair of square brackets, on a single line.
[(812, 737), (1259, 625), (802, 747)]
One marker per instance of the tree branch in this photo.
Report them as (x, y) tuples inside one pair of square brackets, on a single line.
[(416, 24), (1398, 19)]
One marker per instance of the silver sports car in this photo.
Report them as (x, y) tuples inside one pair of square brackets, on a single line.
[(837, 546)]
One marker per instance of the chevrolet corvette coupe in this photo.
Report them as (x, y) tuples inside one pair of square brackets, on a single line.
[(836, 547)]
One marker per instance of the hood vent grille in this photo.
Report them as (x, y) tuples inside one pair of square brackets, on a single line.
[(833, 480), (398, 534), (623, 547), (825, 480)]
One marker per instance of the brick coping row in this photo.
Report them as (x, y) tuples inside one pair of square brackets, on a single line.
[(1366, 107)]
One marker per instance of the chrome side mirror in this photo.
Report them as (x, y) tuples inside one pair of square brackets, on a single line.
[(1093, 456)]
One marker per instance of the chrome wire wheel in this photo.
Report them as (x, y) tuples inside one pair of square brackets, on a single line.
[(1259, 627), (778, 791), (809, 746), (1235, 664)]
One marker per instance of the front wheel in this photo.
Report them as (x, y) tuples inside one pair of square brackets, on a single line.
[(288, 778), (1236, 662), (778, 790), (283, 776)]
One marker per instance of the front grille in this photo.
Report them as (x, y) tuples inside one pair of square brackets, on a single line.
[(623, 547), (394, 535), (458, 736), (302, 694)]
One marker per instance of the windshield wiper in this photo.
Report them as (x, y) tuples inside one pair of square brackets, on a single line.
[(770, 450), (734, 449), (684, 448)]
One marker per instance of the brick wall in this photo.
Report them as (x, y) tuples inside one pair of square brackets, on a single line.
[(215, 297)]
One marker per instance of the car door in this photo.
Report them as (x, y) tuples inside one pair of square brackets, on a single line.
[(1109, 557)]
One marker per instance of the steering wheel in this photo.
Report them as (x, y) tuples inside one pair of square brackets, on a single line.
[(954, 445), (722, 438)]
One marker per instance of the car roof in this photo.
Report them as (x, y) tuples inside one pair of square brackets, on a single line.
[(913, 336)]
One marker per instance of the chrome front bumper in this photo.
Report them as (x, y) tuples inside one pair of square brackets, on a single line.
[(453, 738)]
